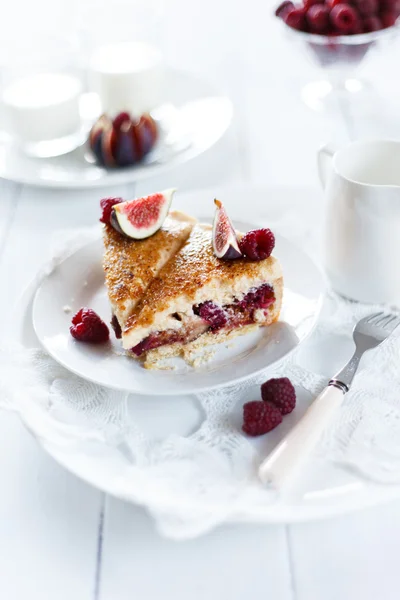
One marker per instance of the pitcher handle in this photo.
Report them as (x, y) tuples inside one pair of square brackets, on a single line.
[(324, 163)]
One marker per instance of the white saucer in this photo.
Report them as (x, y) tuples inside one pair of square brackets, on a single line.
[(79, 281), (193, 118)]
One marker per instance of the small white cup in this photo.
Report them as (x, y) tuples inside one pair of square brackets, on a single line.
[(362, 241)]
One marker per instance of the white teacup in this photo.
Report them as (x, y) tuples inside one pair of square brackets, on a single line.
[(362, 241)]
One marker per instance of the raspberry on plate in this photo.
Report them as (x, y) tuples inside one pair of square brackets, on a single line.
[(88, 327), (257, 244), (260, 417), (281, 393), (106, 205)]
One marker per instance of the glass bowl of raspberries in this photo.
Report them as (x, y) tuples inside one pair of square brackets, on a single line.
[(337, 35)]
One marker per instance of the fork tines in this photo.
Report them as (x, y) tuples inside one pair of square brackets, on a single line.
[(384, 320)]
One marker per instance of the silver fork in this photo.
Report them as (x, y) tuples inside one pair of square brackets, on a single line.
[(286, 459)]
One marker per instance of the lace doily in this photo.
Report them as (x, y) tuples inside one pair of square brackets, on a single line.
[(190, 484)]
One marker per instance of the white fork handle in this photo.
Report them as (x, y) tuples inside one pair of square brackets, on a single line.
[(289, 455)]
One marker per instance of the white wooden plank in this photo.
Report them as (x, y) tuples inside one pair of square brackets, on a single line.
[(354, 556), (39, 214), (231, 563), (48, 518), (48, 523)]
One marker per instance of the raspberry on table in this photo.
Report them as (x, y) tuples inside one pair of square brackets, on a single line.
[(257, 244), (88, 327), (260, 417), (281, 393), (106, 205)]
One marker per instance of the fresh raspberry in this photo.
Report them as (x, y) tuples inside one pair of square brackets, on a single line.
[(309, 3), (283, 9), (357, 30), (388, 18), (344, 18), (332, 3), (213, 314), (281, 393), (260, 417), (88, 327), (106, 204), (296, 19), (318, 18), (120, 119), (367, 8), (391, 6), (372, 24), (257, 244)]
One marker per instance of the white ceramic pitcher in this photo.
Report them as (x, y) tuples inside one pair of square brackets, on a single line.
[(362, 239)]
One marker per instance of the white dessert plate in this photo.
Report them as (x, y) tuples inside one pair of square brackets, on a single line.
[(79, 281), (192, 119), (98, 436)]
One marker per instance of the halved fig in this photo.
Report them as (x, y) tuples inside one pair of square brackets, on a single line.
[(96, 136), (142, 217), (147, 131), (108, 145), (123, 141), (225, 242), (125, 150)]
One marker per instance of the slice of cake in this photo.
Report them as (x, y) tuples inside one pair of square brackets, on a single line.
[(200, 299), (131, 265)]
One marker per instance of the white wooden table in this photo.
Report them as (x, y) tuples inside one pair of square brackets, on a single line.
[(61, 539)]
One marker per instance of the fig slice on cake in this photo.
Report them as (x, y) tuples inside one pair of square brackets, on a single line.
[(224, 240), (140, 218)]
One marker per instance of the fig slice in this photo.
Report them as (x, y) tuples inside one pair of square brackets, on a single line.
[(140, 218), (225, 242)]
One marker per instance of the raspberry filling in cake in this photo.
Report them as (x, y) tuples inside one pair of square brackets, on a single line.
[(213, 318)]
